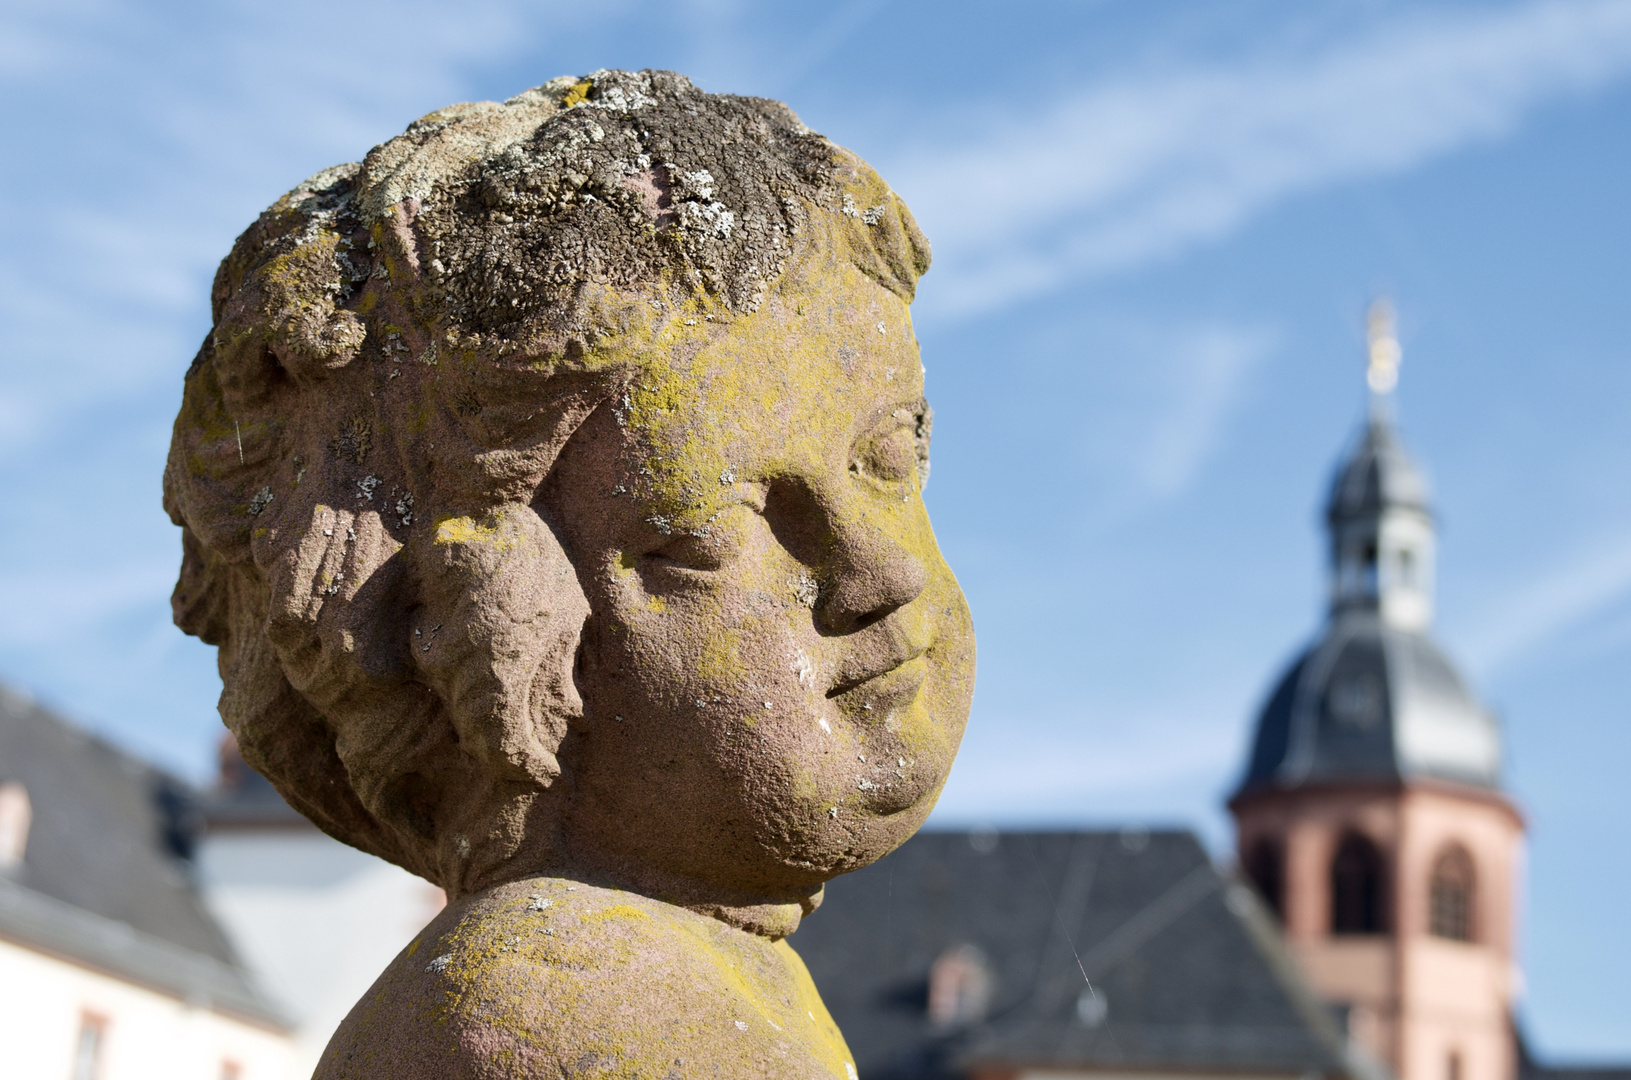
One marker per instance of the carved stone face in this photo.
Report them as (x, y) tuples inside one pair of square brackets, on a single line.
[(778, 665)]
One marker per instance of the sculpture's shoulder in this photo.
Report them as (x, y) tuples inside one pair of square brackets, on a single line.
[(555, 978)]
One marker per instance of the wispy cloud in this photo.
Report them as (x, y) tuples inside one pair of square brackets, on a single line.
[(1117, 174), (1109, 758), (1206, 378), (1166, 395), (1549, 605), (153, 136)]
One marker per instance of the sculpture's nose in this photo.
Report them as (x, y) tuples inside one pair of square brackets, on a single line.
[(872, 575)]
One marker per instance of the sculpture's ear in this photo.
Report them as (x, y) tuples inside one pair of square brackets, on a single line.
[(283, 737), (502, 613)]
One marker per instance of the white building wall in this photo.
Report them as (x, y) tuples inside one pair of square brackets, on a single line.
[(315, 921), (147, 1035)]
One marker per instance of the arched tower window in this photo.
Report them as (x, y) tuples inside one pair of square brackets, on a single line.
[(1356, 887), (1450, 895), (1266, 866)]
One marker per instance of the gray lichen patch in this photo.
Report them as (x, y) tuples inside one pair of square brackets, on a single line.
[(625, 190)]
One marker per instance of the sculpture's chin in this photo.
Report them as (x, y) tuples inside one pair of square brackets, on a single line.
[(822, 845), (870, 797)]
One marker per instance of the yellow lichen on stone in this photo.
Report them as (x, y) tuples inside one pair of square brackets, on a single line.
[(466, 530), (578, 93), (721, 659), (618, 911)]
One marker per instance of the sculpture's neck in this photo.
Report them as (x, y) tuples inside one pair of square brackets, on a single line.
[(771, 920), (771, 916), (755, 912)]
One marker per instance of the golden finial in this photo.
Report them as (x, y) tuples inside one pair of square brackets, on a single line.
[(1383, 373)]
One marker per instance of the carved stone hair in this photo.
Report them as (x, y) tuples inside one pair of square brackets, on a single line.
[(400, 350)]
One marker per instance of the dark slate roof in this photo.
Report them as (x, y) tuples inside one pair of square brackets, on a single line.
[(105, 878), (1187, 963), (1379, 473), (1372, 702), (1576, 1072)]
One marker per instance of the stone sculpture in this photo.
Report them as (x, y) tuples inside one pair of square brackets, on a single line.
[(551, 485)]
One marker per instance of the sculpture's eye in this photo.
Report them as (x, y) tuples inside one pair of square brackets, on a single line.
[(714, 546), (890, 455)]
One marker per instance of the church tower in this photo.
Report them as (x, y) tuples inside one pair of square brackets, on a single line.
[(1371, 815)]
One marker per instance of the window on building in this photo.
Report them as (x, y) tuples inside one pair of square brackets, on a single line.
[(1357, 894), (16, 814), (1407, 568), (959, 987), (93, 1033), (1451, 894), (1266, 866), (1452, 1066), (1368, 569)]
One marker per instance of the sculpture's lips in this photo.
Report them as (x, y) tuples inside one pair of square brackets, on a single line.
[(887, 687)]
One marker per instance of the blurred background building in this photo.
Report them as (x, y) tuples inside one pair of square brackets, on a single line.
[(315, 920), (111, 964), (1371, 816), (148, 930)]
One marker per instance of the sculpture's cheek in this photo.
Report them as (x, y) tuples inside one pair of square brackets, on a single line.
[(716, 735)]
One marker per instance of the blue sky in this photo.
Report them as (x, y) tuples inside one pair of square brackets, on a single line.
[(1156, 228)]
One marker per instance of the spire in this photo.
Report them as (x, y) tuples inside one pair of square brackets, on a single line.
[(1382, 373), (1380, 522)]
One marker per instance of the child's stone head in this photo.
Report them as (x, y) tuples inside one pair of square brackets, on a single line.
[(551, 483)]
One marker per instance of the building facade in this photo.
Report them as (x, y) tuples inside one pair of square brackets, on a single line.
[(111, 968), (313, 920)]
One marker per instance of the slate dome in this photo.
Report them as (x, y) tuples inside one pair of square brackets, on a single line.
[(1371, 702)]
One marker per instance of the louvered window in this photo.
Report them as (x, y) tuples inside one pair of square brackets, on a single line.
[(1450, 899)]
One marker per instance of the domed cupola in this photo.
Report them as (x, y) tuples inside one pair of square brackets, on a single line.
[(1374, 699)]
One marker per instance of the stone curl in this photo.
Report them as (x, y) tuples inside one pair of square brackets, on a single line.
[(401, 348)]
